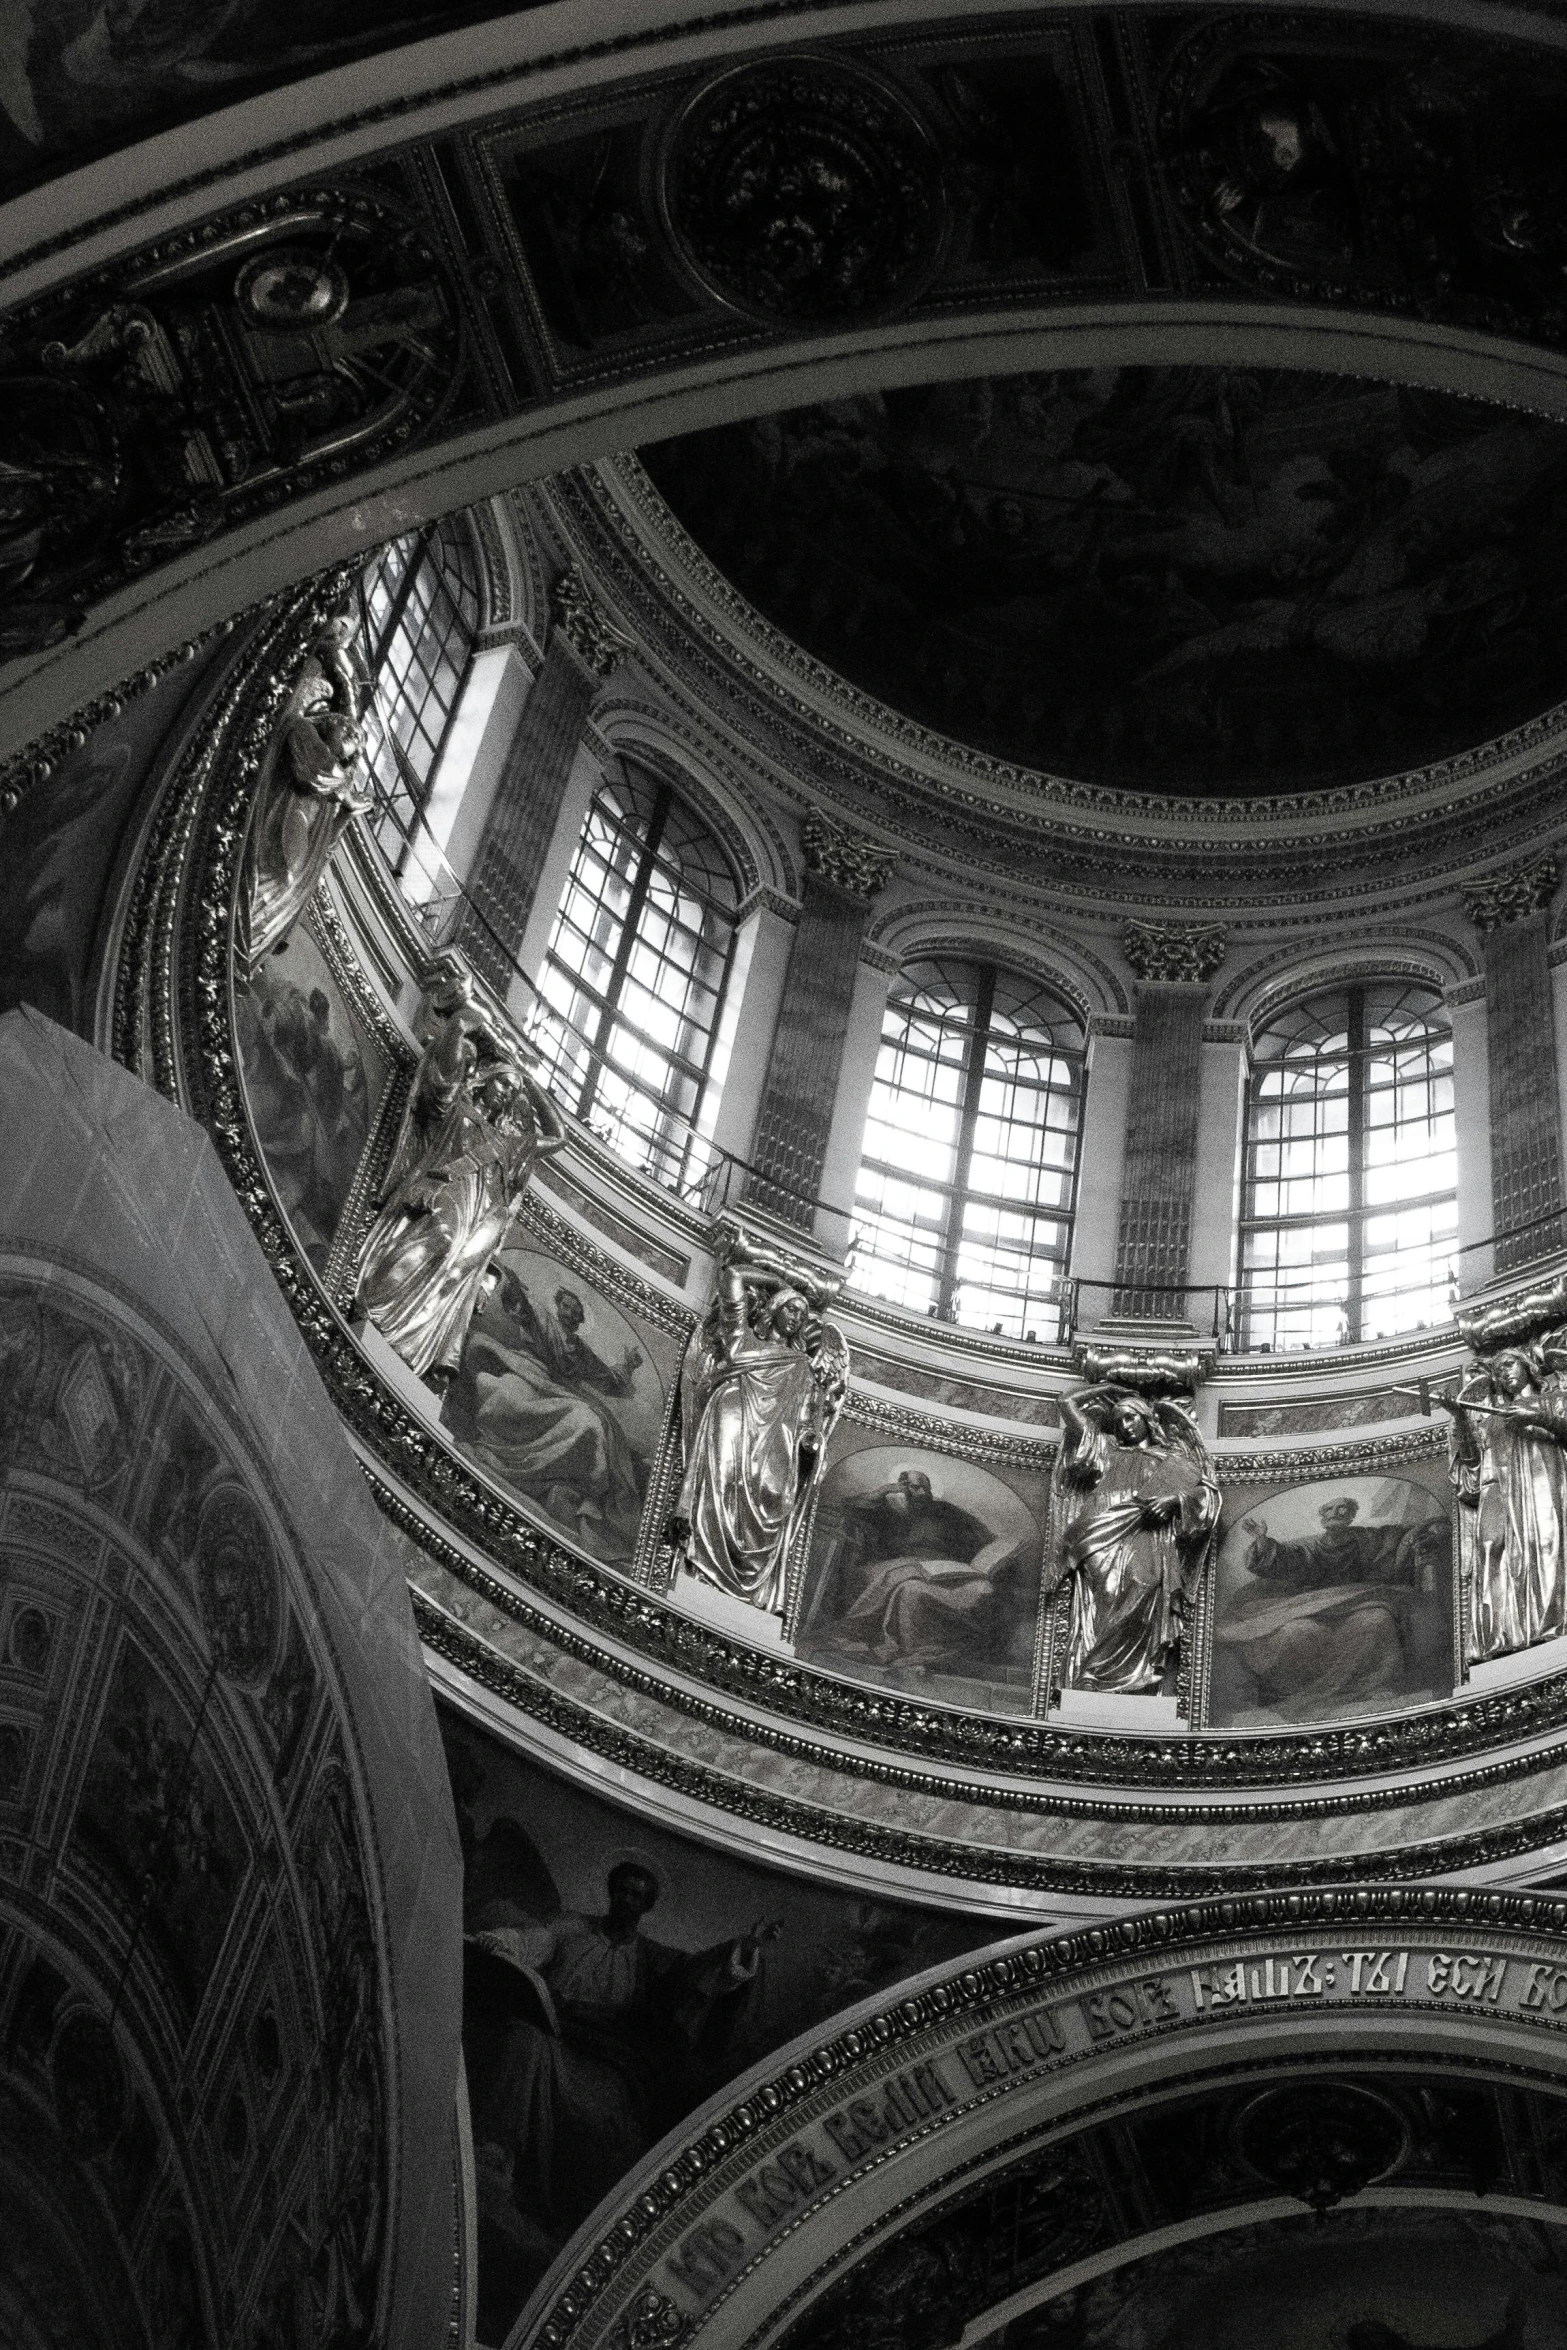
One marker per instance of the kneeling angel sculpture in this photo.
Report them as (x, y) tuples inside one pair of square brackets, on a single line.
[(311, 792), (1133, 1505), (475, 1127), (764, 1383)]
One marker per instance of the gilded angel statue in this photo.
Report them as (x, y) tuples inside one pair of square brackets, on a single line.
[(1508, 1466), (1134, 1503), (475, 1127), (312, 791), (764, 1382)]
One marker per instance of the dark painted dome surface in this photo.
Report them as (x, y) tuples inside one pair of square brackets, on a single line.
[(1193, 579)]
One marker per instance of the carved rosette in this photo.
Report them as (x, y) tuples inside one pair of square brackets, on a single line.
[(582, 621), (805, 190), (1174, 954), (848, 859), (1511, 897)]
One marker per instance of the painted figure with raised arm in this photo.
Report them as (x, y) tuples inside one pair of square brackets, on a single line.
[(1505, 1456), (763, 1386), (475, 1127), (1133, 1506), (312, 791)]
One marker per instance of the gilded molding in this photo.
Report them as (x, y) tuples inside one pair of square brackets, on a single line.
[(848, 859), (907, 1426), (173, 958), (1174, 954), (585, 625), (1512, 896)]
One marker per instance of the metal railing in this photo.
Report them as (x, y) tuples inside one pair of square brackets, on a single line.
[(671, 1153)]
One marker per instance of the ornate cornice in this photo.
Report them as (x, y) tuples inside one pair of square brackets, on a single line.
[(1512, 896), (850, 860), (1174, 954), (582, 621)]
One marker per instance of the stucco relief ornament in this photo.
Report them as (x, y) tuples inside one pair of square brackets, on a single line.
[(762, 1388), (804, 189), (1180, 954), (313, 789), (1134, 1502), (475, 1127), (592, 636), (848, 859), (1511, 897), (1507, 1455)]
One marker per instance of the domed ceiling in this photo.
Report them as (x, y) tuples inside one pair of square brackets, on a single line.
[(1188, 578)]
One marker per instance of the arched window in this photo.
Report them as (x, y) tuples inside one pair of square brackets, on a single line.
[(964, 1201), (419, 611), (635, 975), (1349, 1208)]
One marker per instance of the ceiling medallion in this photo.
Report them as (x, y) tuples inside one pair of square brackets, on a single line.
[(804, 192)]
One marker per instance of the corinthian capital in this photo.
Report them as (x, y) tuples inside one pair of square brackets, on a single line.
[(597, 643), (1507, 897), (1184, 954), (845, 858)]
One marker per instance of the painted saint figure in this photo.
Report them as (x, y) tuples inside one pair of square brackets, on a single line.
[(1507, 1464), (475, 1128), (311, 794), (1135, 1503), (764, 1383)]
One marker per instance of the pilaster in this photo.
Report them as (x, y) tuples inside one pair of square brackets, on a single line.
[(1509, 911), (526, 807), (1174, 963), (844, 872)]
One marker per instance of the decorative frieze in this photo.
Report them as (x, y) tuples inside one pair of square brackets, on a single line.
[(1503, 898), (849, 860), (1174, 954)]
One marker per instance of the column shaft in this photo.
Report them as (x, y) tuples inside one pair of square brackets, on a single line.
[(1526, 1150), (1153, 1242)]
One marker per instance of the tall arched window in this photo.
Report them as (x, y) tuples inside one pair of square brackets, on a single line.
[(635, 975), (966, 1186), (1349, 1210), (419, 611)]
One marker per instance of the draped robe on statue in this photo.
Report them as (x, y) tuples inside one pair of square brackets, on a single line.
[(1518, 1489), (1128, 1576), (759, 1429), (432, 1244)]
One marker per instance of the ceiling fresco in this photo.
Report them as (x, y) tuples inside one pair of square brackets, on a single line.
[(1194, 578)]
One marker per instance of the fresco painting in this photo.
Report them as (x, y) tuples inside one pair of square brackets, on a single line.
[(562, 1397), (1334, 1599), (313, 1083), (615, 1977), (79, 78), (1355, 2280), (923, 1574), (1181, 579)]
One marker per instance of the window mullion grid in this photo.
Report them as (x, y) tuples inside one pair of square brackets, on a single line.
[(623, 952), (1356, 1143), (973, 1083)]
